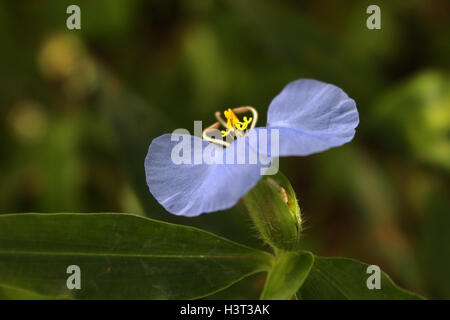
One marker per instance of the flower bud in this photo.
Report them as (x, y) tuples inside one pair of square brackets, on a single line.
[(273, 207)]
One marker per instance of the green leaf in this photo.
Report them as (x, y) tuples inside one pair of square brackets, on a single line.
[(346, 279), (121, 256), (287, 275), (20, 294)]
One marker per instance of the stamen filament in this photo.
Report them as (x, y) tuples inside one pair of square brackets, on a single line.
[(232, 124)]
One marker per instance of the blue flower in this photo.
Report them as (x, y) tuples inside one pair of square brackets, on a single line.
[(309, 116)]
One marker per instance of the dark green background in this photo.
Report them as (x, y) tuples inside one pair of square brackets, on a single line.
[(79, 109)]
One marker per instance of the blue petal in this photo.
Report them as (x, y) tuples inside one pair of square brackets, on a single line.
[(192, 189), (311, 117)]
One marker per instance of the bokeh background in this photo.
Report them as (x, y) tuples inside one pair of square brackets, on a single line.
[(80, 108)]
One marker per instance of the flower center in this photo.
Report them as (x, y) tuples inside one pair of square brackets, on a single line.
[(235, 128), (233, 122)]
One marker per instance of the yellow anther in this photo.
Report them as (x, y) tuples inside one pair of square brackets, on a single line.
[(233, 122)]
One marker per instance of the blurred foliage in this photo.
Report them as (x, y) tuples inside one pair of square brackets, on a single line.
[(79, 109)]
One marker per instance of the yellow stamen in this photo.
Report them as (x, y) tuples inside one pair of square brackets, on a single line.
[(234, 123)]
